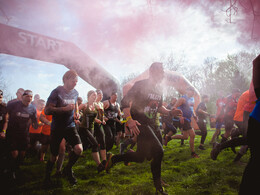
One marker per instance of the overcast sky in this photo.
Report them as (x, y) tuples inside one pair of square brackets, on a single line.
[(122, 36)]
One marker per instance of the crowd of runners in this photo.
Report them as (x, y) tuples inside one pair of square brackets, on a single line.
[(67, 123)]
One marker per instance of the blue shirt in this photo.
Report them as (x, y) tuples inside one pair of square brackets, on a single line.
[(19, 116), (186, 108), (190, 101), (256, 112), (61, 98)]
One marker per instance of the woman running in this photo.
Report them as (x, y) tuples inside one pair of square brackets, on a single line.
[(86, 129)]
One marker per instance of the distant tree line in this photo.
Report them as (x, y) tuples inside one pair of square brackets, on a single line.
[(214, 75)]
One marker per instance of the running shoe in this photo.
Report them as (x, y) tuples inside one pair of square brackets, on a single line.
[(194, 155), (104, 162), (215, 151), (158, 186), (201, 147), (164, 184), (68, 173), (126, 163), (161, 191), (100, 168)]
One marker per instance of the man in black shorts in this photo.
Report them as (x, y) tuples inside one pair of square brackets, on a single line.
[(142, 102), (62, 105), (184, 122), (17, 135)]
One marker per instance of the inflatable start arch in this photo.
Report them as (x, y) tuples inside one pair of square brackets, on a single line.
[(22, 43)]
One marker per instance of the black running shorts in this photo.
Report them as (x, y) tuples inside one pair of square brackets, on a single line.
[(186, 126), (70, 134), (18, 142)]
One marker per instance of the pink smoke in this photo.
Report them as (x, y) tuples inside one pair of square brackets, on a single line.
[(109, 31), (117, 28), (242, 14)]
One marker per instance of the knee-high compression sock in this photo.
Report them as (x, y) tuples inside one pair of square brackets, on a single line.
[(48, 170), (14, 163), (73, 157)]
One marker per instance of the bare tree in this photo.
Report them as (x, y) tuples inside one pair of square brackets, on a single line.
[(176, 63), (128, 78), (3, 86)]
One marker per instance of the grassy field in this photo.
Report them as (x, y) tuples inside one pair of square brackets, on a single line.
[(186, 176)]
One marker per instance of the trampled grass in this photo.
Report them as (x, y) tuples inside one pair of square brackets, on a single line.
[(185, 175)]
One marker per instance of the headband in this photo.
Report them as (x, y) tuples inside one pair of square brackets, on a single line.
[(27, 93)]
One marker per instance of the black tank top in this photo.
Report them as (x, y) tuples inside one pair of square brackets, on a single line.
[(88, 118), (112, 111)]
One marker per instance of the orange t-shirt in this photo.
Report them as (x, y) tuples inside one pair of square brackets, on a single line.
[(46, 129), (242, 101), (249, 107), (39, 129)]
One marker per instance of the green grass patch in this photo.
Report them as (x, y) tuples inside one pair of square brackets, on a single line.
[(184, 174)]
